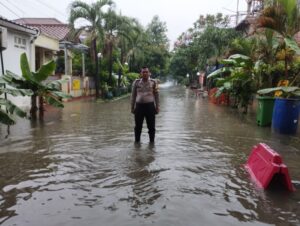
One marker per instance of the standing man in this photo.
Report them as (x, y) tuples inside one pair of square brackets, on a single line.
[(144, 104)]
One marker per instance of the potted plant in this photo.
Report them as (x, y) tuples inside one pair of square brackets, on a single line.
[(266, 69), (286, 109), (283, 16)]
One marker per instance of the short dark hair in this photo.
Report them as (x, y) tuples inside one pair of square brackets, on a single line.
[(144, 67)]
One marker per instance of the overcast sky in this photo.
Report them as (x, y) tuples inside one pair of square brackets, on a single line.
[(179, 15)]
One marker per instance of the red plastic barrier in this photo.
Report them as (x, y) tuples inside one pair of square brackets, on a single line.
[(264, 164), (211, 95), (223, 99)]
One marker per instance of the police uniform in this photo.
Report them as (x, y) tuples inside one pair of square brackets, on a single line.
[(144, 102)]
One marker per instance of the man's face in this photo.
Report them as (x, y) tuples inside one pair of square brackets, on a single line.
[(145, 73)]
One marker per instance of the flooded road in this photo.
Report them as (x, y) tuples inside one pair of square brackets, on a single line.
[(81, 167)]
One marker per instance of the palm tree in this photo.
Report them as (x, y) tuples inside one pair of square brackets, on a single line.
[(111, 26), (125, 32), (266, 50), (94, 15), (122, 32), (283, 17), (136, 46)]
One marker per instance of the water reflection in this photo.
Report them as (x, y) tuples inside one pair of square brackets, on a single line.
[(144, 181), (22, 173), (80, 167)]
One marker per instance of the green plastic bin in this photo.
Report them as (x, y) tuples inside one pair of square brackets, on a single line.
[(264, 110)]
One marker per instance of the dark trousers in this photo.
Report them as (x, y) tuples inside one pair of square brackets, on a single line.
[(144, 111)]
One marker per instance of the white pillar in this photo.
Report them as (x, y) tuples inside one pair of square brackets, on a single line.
[(83, 65), (66, 60)]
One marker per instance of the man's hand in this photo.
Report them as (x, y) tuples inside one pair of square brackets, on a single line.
[(132, 110), (157, 110)]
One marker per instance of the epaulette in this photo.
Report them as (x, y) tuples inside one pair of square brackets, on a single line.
[(137, 80), (153, 80), (155, 84)]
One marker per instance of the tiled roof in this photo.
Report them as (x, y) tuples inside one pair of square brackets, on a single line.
[(38, 21), (50, 27), (58, 32)]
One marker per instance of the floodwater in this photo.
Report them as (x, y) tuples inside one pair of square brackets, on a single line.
[(80, 167)]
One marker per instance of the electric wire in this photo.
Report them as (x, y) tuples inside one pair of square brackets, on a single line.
[(51, 7), (1, 3), (15, 6), (32, 5)]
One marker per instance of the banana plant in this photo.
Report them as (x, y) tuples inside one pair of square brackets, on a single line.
[(286, 92), (7, 108), (50, 92), (239, 79)]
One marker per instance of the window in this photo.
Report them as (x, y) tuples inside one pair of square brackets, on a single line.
[(20, 42)]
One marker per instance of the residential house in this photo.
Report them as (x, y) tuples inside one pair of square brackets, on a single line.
[(57, 39), (52, 31), (247, 26), (15, 40)]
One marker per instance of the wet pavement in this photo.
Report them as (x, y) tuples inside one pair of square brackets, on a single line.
[(80, 167)]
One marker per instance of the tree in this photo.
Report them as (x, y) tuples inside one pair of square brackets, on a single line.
[(179, 64), (137, 40), (267, 64), (209, 38), (94, 15), (110, 29), (157, 51), (126, 28), (156, 31), (283, 17)]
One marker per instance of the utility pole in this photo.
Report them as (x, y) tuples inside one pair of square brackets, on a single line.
[(237, 13), (249, 4), (254, 6)]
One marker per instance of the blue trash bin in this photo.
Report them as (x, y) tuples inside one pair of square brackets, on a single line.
[(285, 115)]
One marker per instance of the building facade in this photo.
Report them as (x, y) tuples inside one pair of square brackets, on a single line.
[(15, 40)]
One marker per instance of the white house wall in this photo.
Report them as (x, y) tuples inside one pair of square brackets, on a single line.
[(11, 60), (47, 43), (47, 47)]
